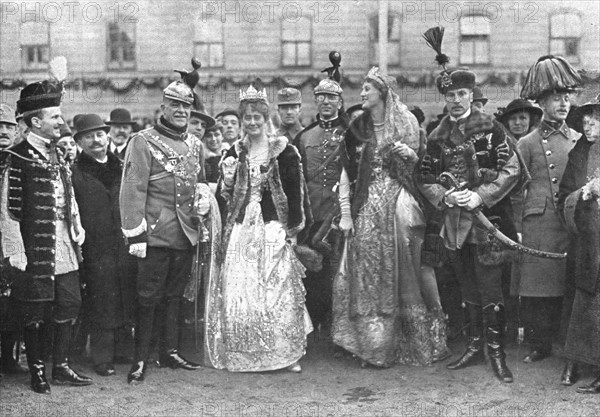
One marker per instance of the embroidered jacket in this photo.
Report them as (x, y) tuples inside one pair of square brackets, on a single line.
[(38, 211), (162, 168)]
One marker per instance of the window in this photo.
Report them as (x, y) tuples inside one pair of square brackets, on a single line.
[(296, 43), (474, 40), (208, 43), (394, 22), (121, 45), (35, 45), (565, 35)]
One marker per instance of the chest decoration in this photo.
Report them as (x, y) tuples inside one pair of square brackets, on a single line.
[(186, 167)]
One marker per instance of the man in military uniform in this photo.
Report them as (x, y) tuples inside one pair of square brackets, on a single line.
[(42, 234), (163, 164), (472, 146), (541, 283), (319, 146), (289, 107)]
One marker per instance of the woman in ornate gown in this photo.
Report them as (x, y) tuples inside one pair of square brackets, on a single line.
[(386, 306), (256, 319)]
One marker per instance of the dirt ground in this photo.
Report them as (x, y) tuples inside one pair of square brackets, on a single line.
[(326, 387)]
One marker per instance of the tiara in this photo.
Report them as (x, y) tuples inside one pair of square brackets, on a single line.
[(253, 94)]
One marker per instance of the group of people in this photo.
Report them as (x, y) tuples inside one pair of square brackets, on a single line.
[(342, 225)]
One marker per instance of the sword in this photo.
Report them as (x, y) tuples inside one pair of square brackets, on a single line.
[(493, 230)]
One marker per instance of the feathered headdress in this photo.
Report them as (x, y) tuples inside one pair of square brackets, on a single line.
[(550, 73), (47, 93), (434, 37), (333, 72), (183, 90)]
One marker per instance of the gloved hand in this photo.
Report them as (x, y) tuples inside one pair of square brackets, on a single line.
[(18, 261), (138, 249), (503, 154), (229, 167), (79, 238)]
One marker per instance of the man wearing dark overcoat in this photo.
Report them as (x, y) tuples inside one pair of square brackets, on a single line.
[(41, 234), (473, 147), (319, 147), (108, 268), (163, 164)]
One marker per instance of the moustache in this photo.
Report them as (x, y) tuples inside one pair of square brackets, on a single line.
[(4, 137)]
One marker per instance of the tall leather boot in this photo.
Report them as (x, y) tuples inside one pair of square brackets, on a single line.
[(169, 355), (495, 342), (37, 368), (144, 323), (474, 352), (62, 373)]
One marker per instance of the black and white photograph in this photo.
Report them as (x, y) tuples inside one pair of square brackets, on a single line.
[(289, 208)]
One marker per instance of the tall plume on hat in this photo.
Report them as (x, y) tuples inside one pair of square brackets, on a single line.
[(550, 73), (191, 78), (58, 69), (434, 37), (333, 72)]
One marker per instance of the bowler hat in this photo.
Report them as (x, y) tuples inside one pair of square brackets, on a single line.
[(519, 105), (87, 123), (120, 117), (478, 95)]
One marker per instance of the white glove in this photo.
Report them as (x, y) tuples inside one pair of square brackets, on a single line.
[(470, 201), (229, 167), (78, 238), (346, 223), (18, 261), (138, 249)]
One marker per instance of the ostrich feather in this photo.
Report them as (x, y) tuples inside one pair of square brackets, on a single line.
[(58, 68)]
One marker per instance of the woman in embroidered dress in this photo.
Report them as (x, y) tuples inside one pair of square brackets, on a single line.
[(386, 306), (256, 318)]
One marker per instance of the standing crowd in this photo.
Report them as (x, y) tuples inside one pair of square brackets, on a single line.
[(341, 226)]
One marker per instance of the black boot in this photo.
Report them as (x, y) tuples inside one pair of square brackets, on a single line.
[(570, 374), (62, 374), (495, 342), (9, 364), (37, 369), (143, 338), (170, 357), (593, 388), (474, 352)]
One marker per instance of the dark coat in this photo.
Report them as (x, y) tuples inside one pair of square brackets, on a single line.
[(108, 269), (582, 219)]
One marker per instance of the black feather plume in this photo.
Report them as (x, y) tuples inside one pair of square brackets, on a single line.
[(191, 78), (333, 72), (433, 37)]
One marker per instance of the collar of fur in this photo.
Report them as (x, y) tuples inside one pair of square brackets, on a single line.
[(477, 122), (276, 145)]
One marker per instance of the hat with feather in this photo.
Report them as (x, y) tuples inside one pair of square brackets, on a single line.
[(47, 93), (331, 84), (183, 90), (448, 79), (550, 74)]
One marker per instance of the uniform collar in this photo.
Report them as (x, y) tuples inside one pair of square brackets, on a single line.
[(328, 124), (167, 129), (546, 129)]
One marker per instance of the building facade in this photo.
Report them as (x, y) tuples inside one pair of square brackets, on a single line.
[(124, 53)]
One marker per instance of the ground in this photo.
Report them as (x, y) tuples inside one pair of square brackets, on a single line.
[(326, 387)]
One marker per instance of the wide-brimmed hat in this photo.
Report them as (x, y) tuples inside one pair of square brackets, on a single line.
[(199, 111), (588, 108), (120, 117), (87, 123), (519, 105)]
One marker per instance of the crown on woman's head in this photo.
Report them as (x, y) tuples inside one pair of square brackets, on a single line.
[(254, 95)]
